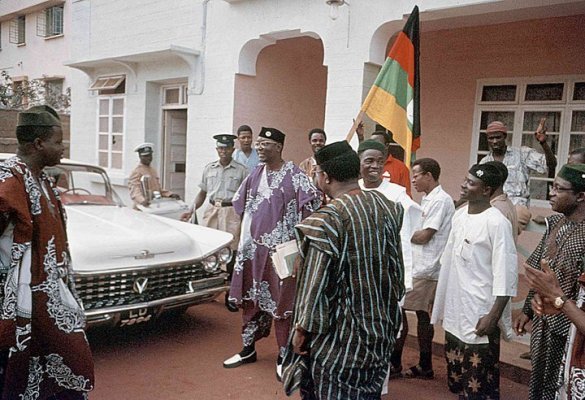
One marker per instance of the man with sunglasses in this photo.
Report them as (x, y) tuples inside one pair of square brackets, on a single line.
[(275, 197), (562, 248)]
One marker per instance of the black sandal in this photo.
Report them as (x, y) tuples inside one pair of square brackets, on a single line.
[(419, 373)]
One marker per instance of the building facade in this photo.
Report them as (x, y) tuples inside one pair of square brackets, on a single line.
[(34, 42), (146, 71)]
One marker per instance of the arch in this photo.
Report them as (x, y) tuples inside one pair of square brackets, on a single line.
[(380, 38), (251, 49), (287, 89)]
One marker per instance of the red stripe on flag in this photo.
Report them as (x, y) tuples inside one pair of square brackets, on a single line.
[(403, 52), (416, 143)]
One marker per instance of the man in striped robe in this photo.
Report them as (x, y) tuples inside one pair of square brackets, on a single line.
[(346, 312)]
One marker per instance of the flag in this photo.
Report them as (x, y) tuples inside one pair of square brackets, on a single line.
[(393, 100)]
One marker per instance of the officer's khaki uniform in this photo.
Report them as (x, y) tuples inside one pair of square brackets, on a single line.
[(135, 186), (221, 184)]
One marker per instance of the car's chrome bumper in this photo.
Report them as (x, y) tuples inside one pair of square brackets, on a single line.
[(112, 316)]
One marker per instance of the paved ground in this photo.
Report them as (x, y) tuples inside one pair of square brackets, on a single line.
[(181, 358)]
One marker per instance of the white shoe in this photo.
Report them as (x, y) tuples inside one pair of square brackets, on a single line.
[(237, 360)]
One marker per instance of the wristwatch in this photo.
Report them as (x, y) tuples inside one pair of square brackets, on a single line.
[(559, 302)]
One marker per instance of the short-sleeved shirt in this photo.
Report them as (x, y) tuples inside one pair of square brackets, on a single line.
[(222, 183), (520, 161), (479, 264), (249, 162), (437, 212)]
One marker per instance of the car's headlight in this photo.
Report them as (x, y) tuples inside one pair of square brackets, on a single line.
[(211, 263), (225, 255)]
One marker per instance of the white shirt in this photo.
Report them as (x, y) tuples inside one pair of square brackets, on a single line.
[(410, 222), (479, 264), (437, 212)]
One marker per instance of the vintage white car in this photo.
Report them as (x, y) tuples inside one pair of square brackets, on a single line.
[(131, 266)]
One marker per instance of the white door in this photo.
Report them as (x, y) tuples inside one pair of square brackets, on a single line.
[(175, 153)]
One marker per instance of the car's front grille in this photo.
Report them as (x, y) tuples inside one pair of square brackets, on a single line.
[(122, 288)]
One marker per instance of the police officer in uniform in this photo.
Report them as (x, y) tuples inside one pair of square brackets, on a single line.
[(145, 151), (219, 183)]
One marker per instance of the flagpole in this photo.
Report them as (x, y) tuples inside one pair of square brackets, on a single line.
[(356, 122)]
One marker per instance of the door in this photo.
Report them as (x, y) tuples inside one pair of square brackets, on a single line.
[(175, 153)]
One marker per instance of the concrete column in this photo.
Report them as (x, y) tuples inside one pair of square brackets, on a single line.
[(345, 58)]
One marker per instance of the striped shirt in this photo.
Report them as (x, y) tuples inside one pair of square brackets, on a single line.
[(347, 297)]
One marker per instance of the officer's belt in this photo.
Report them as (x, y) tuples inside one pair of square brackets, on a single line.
[(221, 203)]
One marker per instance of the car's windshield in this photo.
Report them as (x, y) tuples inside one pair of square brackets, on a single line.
[(82, 184)]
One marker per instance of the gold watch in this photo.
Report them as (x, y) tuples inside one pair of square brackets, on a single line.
[(559, 302)]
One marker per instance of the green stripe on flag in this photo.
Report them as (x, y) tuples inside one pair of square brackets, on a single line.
[(394, 80)]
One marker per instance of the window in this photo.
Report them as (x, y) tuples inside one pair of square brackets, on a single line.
[(53, 87), (111, 131), (50, 22), (109, 85), (520, 104), (175, 95), (17, 30), (20, 90)]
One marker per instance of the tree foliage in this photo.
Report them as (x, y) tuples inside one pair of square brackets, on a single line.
[(23, 94)]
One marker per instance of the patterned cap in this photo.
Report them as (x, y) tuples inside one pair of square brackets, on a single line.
[(272, 134), (39, 116)]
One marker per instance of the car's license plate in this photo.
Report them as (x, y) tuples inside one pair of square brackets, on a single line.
[(133, 317)]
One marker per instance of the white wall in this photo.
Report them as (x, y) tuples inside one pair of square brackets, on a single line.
[(111, 28), (114, 27), (39, 56)]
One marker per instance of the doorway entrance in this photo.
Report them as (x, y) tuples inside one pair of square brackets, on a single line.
[(175, 150)]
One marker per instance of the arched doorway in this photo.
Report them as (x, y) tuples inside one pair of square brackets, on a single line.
[(282, 83)]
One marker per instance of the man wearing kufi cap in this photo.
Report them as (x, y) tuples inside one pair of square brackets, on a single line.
[(521, 162), (275, 197), (562, 251), (137, 194), (395, 170), (41, 319), (372, 156), (346, 312), (478, 277), (219, 183)]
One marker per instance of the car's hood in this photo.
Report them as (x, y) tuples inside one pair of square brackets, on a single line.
[(111, 237)]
